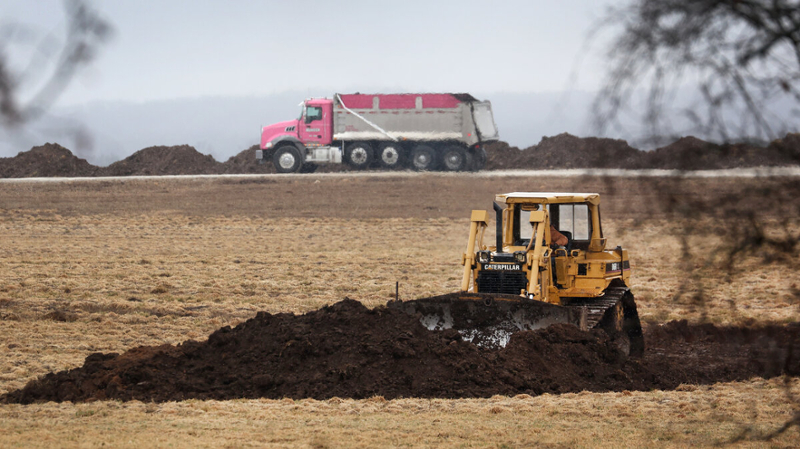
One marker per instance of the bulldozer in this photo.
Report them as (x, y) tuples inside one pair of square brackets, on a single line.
[(527, 281)]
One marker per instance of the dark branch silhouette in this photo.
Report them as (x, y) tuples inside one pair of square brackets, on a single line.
[(86, 31), (742, 55)]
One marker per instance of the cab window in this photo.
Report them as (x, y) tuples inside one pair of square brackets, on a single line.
[(522, 225), (574, 218), (313, 113)]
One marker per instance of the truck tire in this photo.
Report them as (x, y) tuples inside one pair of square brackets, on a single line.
[(391, 155), (359, 155), (454, 158), (287, 159), (423, 158)]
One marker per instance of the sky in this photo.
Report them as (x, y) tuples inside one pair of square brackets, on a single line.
[(179, 51), (175, 48)]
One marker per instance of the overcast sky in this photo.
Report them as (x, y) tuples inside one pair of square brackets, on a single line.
[(169, 49)]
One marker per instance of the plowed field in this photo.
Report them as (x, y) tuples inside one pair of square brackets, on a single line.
[(106, 267)]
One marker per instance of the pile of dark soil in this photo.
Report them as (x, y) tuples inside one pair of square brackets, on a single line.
[(175, 160), (687, 153), (565, 151), (347, 350), (245, 162), (50, 159)]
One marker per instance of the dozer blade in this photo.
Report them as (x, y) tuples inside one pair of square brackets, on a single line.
[(489, 320)]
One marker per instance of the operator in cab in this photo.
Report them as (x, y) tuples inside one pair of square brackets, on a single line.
[(557, 239)]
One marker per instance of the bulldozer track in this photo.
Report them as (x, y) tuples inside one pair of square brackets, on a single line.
[(596, 307), (615, 313)]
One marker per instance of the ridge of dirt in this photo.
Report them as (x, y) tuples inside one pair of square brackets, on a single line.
[(245, 162), (160, 160), (50, 159), (348, 350), (563, 151), (686, 153)]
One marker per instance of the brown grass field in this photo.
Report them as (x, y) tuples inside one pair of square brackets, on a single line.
[(104, 266)]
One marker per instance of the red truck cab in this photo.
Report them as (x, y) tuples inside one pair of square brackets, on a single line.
[(313, 128)]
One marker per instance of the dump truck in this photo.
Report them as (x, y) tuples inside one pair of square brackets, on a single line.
[(526, 281), (394, 131)]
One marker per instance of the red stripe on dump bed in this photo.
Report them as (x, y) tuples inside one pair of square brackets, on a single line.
[(400, 101)]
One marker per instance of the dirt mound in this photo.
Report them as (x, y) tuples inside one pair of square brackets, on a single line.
[(347, 350), (688, 153), (691, 153), (174, 160), (245, 162), (50, 159), (565, 151)]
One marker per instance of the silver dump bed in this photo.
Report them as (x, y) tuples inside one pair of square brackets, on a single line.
[(415, 117)]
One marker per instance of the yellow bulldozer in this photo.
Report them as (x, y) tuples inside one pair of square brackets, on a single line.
[(530, 279)]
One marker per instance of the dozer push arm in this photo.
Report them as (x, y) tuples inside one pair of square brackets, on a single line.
[(478, 222), (540, 234)]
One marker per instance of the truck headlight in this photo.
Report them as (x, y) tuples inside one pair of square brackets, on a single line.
[(268, 145), (483, 256), (520, 256)]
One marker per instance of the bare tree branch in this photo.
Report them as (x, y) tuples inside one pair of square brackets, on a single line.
[(85, 34), (741, 54)]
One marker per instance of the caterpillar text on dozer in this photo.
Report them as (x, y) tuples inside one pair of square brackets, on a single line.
[(549, 265)]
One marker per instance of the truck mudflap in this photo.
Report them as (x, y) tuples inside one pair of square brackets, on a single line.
[(489, 320)]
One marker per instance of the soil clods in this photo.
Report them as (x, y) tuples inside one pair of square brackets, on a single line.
[(348, 350)]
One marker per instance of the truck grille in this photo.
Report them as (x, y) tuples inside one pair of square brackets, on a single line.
[(509, 282)]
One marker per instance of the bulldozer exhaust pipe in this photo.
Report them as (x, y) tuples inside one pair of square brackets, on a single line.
[(498, 210)]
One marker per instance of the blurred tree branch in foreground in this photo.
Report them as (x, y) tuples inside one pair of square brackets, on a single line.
[(86, 31), (742, 55)]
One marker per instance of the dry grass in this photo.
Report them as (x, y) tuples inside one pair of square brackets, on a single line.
[(693, 417), (76, 280)]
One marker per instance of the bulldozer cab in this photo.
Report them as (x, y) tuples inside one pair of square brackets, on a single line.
[(576, 216)]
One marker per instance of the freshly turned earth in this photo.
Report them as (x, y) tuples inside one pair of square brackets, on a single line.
[(347, 350)]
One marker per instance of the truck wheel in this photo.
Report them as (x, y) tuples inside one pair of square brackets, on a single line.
[(423, 158), (287, 159), (359, 155), (455, 158), (391, 155)]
